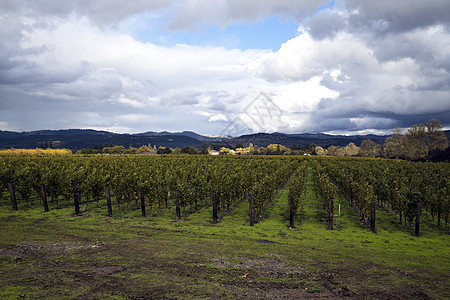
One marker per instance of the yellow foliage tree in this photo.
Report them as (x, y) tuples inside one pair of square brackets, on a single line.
[(35, 152)]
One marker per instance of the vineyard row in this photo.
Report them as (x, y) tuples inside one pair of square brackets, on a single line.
[(403, 188)]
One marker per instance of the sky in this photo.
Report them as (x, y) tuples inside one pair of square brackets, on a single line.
[(224, 66)]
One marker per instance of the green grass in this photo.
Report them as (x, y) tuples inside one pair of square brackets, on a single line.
[(59, 255)]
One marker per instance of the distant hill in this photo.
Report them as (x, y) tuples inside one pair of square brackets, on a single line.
[(300, 140), (76, 139), (191, 134)]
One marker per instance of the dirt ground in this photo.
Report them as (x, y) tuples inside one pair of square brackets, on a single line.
[(132, 269)]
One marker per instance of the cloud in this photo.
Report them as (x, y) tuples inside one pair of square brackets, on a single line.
[(302, 58), (184, 15), (82, 69), (387, 16), (360, 66), (372, 83), (326, 23), (104, 12), (212, 117), (193, 13), (6, 126)]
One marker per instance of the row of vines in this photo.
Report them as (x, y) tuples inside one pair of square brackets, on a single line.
[(296, 189), (403, 188), (190, 180), (327, 191)]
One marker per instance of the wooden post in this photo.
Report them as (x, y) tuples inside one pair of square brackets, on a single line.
[(136, 200), (339, 206), (439, 218), (44, 197), (291, 211), (177, 204), (214, 204), (418, 212), (196, 199), (166, 199), (108, 201), (351, 195), (75, 199), (330, 213), (372, 216), (250, 206), (12, 193), (141, 194)]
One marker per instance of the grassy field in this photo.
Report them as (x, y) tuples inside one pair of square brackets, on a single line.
[(59, 255)]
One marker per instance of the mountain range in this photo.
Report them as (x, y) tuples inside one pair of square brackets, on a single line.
[(76, 139)]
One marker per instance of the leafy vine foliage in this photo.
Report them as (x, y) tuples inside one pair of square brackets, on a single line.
[(192, 179), (403, 188), (397, 186)]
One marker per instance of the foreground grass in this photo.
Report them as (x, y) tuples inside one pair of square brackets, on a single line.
[(58, 255)]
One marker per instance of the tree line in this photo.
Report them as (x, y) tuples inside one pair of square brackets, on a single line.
[(420, 142)]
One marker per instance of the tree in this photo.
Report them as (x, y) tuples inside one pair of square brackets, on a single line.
[(189, 150), (276, 149), (206, 148), (114, 150), (164, 150), (260, 150), (333, 150), (350, 150), (319, 151), (143, 149), (415, 139), (394, 146), (176, 151), (369, 148), (419, 142), (224, 150), (132, 150), (251, 149), (436, 139)]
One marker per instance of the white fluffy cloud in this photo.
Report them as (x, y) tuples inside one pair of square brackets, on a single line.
[(357, 66)]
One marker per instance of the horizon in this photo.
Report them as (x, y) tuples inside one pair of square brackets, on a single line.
[(338, 67), (404, 130)]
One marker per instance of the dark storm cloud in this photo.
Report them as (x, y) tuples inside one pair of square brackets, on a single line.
[(386, 16), (407, 79), (326, 23)]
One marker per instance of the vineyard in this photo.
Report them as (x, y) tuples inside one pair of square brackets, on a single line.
[(202, 208), (188, 182)]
